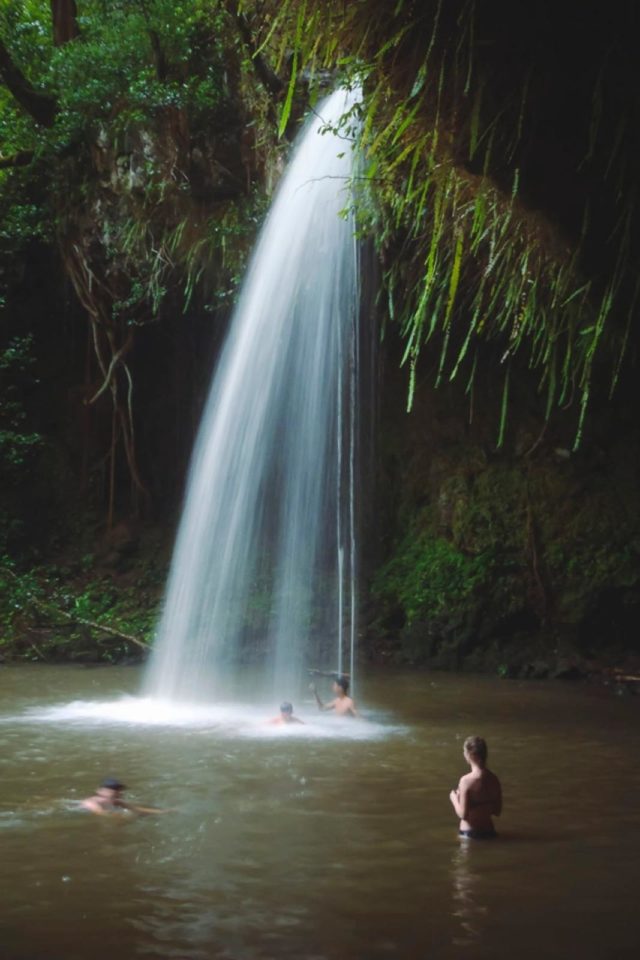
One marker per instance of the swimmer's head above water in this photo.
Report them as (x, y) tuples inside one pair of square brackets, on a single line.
[(111, 790), (285, 715), (341, 684), (107, 798), (110, 783)]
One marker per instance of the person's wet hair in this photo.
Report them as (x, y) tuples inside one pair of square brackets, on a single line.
[(343, 683), (112, 784), (476, 747), (286, 707)]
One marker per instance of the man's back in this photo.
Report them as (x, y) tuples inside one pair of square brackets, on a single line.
[(483, 798)]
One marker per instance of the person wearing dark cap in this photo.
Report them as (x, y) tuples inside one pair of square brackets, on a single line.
[(108, 801), (342, 704), (286, 715)]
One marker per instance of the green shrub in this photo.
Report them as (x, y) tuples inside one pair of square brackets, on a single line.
[(426, 576)]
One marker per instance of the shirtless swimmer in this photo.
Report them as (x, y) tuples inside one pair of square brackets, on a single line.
[(479, 794), (343, 705)]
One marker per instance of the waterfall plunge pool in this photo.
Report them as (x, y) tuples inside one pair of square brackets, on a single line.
[(333, 842)]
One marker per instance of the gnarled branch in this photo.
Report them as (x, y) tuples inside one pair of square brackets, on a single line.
[(41, 106), (266, 74)]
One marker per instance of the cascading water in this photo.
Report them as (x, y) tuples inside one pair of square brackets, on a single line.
[(265, 559)]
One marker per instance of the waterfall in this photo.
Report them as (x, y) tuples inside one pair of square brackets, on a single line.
[(265, 559)]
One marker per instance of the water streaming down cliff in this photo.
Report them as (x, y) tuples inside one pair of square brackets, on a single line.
[(265, 558)]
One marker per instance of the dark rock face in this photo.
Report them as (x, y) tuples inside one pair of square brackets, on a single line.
[(521, 560)]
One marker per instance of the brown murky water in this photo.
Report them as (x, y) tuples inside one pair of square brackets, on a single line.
[(332, 842)]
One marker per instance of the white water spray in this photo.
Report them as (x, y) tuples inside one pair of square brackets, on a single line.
[(265, 558)]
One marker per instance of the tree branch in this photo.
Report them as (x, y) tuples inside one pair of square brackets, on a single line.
[(269, 78), (20, 159), (42, 107), (56, 611)]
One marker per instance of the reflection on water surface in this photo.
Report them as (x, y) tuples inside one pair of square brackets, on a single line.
[(332, 841)]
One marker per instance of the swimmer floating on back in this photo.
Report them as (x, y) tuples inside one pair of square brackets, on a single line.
[(479, 794), (107, 801), (342, 704)]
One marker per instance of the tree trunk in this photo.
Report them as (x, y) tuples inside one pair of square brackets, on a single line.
[(64, 14), (156, 46)]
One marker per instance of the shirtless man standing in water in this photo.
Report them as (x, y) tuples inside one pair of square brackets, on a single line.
[(479, 794), (342, 704)]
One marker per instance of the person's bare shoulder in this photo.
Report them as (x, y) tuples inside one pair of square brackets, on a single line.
[(493, 788), (490, 780), (346, 704)]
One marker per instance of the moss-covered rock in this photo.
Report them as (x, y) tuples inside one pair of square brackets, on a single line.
[(518, 560)]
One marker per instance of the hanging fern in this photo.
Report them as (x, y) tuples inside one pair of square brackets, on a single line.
[(466, 260)]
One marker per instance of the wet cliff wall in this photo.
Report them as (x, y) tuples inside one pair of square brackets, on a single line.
[(524, 559)]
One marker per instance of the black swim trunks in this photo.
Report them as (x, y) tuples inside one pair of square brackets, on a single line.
[(478, 834)]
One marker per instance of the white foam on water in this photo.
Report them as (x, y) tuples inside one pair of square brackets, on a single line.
[(138, 711), (228, 720)]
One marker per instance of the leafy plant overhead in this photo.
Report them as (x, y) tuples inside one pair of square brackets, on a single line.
[(125, 141), (499, 141), (498, 178)]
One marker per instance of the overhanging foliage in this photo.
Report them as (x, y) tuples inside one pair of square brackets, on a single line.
[(499, 145)]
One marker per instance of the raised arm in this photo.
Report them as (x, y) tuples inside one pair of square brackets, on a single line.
[(321, 705)]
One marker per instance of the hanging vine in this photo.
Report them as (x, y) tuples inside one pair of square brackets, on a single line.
[(472, 248)]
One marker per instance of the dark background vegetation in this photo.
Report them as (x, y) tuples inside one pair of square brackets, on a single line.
[(139, 145)]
